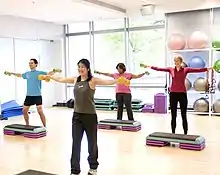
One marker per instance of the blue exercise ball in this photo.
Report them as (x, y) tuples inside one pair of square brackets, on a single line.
[(197, 62)]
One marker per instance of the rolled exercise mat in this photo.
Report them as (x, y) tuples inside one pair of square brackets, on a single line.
[(126, 125)]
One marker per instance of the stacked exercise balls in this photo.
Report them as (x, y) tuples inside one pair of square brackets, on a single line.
[(201, 84), (196, 62), (216, 106), (188, 84), (197, 40), (201, 105), (216, 44), (176, 42), (216, 66)]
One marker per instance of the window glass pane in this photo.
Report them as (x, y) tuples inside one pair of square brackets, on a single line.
[(79, 47), (24, 50), (147, 20), (147, 47), (109, 50), (109, 24), (78, 27), (7, 92)]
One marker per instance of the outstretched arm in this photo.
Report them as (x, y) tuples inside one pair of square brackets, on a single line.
[(15, 74), (137, 76), (106, 74), (64, 79), (167, 69), (196, 70), (99, 81)]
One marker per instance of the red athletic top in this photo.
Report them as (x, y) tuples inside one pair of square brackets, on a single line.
[(178, 77)]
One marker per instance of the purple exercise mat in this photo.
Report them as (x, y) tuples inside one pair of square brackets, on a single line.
[(192, 145), (156, 143), (192, 148), (28, 135), (133, 128)]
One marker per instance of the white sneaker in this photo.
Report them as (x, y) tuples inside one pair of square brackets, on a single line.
[(92, 172), (74, 174)]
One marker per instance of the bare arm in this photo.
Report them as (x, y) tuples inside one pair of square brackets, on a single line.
[(106, 74), (51, 73), (15, 74), (137, 76), (99, 81), (64, 79)]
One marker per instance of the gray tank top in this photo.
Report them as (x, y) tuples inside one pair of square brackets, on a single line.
[(84, 98)]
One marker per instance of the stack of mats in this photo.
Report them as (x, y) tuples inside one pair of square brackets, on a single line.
[(26, 131), (125, 125), (10, 109), (104, 104), (190, 142)]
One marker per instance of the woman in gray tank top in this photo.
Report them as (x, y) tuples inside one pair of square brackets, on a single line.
[(85, 117)]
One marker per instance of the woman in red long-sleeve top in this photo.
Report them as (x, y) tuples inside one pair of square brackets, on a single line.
[(178, 90)]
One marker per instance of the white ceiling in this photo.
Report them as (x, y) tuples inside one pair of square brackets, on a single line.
[(67, 11)]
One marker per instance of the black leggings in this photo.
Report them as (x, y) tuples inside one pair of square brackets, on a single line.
[(80, 123), (180, 97), (123, 98)]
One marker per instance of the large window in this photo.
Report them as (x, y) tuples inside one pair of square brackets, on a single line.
[(150, 20), (79, 47), (7, 92), (109, 49), (79, 27), (24, 50), (147, 47), (109, 24)]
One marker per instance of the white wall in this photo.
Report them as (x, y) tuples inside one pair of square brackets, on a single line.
[(34, 41), (16, 27)]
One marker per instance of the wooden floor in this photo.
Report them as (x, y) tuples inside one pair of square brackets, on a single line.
[(120, 153)]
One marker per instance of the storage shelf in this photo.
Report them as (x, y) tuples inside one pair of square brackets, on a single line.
[(195, 50)]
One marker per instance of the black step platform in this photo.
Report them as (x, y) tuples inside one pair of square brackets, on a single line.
[(126, 125), (26, 131), (191, 142)]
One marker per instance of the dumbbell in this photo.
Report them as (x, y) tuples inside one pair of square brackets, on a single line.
[(7, 73), (96, 72), (43, 77), (57, 70)]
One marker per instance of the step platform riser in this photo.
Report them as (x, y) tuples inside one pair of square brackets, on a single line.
[(28, 135), (123, 128), (197, 147)]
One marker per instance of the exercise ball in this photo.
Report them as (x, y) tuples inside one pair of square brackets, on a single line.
[(188, 84), (216, 66), (201, 84), (198, 40), (219, 85), (176, 42), (184, 64), (197, 62), (201, 105), (216, 44), (216, 106)]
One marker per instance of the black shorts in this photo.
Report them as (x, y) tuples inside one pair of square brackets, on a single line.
[(33, 100)]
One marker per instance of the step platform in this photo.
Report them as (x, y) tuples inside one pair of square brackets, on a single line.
[(26, 131), (190, 142), (125, 125)]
